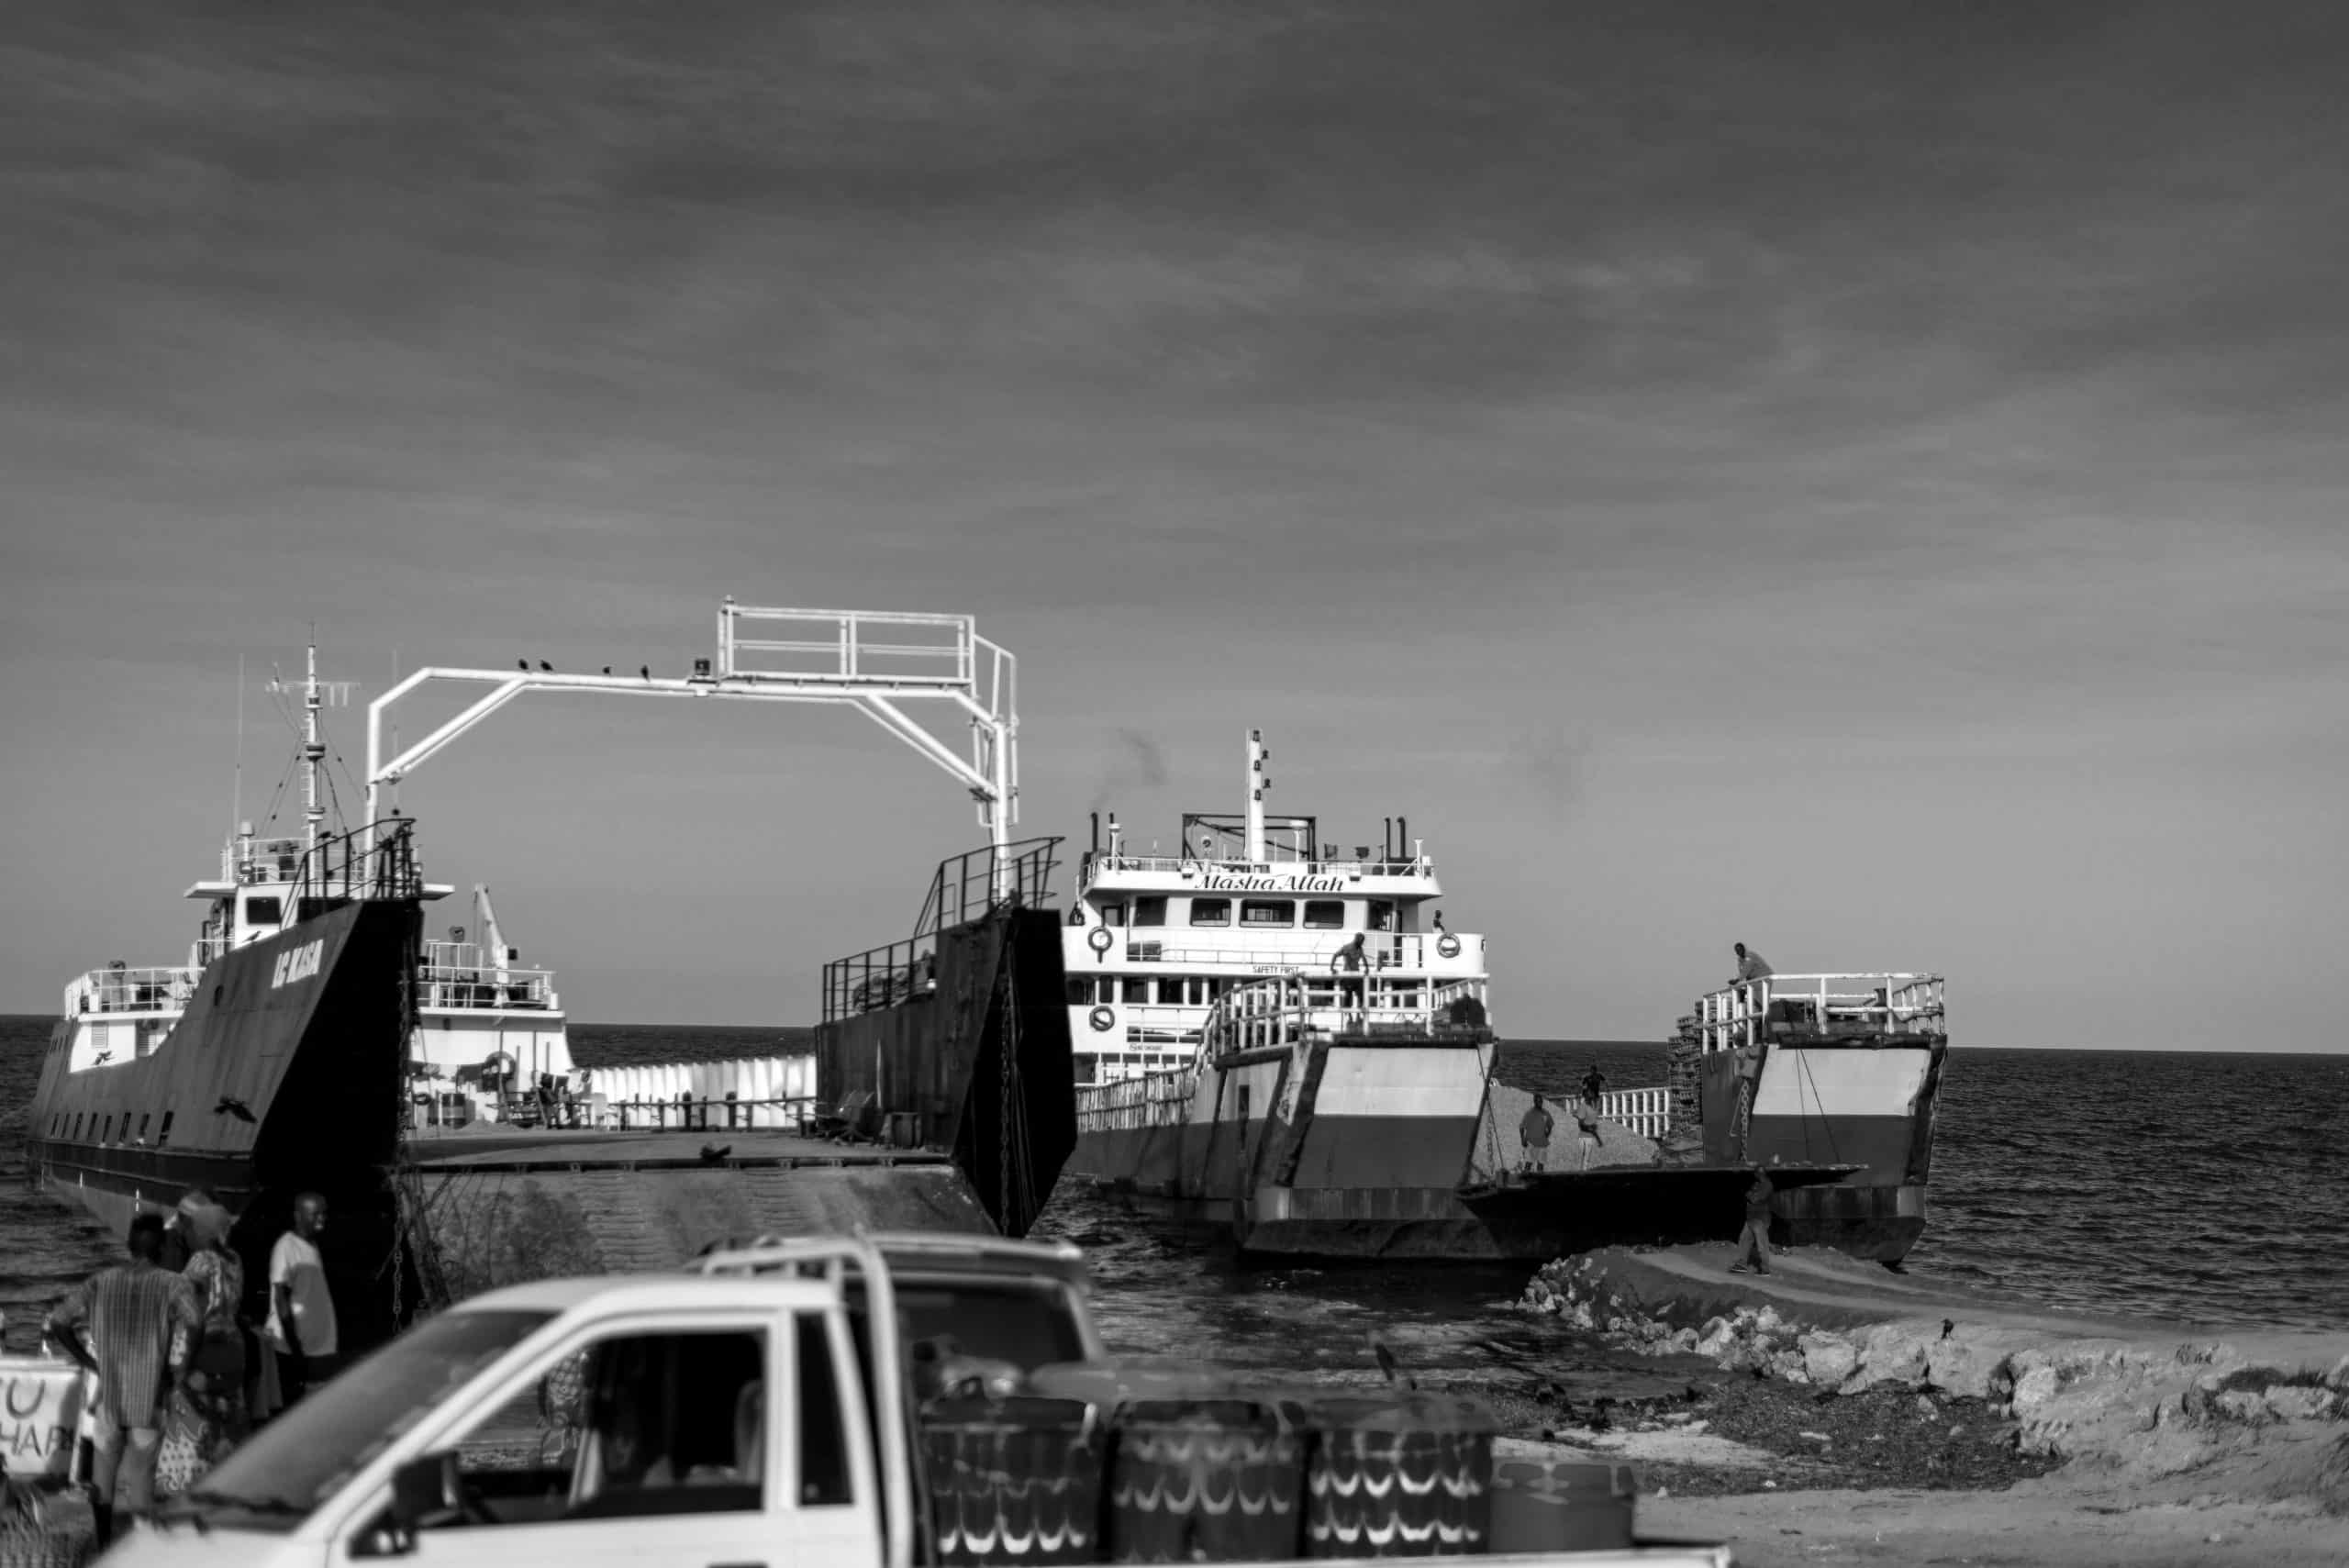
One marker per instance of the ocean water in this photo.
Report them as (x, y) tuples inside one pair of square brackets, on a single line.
[(2207, 1187)]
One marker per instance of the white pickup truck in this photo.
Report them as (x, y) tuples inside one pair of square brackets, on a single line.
[(737, 1416)]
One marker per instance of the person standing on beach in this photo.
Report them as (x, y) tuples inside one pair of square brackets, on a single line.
[(134, 1325), (209, 1417), (1586, 1125), (301, 1320), (1751, 965), (1753, 1241), (1533, 1133)]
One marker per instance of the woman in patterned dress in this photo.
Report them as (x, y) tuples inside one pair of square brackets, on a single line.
[(208, 1411)]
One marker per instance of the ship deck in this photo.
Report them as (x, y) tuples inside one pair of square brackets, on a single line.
[(587, 1149)]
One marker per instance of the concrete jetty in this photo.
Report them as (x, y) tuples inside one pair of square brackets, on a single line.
[(2246, 1412)]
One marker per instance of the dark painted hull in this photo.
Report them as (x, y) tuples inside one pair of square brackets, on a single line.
[(1343, 1147), (265, 1087), (978, 1064)]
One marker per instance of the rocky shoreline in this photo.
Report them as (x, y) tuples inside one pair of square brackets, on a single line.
[(1848, 1377)]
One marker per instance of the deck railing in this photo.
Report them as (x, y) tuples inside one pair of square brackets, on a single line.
[(448, 987), (1738, 1015), (713, 1096), (376, 862), (1155, 1099), (164, 990), (966, 885), (1412, 950), (964, 889), (1279, 1011), (1647, 1112), (880, 977), (1183, 865)]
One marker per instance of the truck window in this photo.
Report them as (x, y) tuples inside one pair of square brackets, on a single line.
[(302, 1456), (823, 1435), (631, 1426)]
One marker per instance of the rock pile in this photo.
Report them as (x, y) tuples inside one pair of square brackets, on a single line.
[(2139, 1409)]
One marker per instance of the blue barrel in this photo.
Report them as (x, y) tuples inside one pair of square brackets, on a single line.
[(1562, 1506), (1202, 1480), (1396, 1475), (1014, 1479)]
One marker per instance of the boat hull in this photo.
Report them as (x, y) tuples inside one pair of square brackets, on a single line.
[(974, 1060), (283, 1074), (1348, 1146)]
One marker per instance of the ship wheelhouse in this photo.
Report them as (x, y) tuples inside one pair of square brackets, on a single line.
[(1154, 941)]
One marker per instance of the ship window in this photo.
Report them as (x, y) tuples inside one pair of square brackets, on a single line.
[(144, 1117), (1325, 914), (1113, 914), (1210, 911), (1080, 991), (1150, 911), (1085, 1070), (1137, 989), (1382, 915), (1267, 912), (263, 911), (106, 1132), (163, 1133)]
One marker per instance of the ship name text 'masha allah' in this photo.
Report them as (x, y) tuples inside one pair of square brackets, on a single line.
[(1276, 1037)]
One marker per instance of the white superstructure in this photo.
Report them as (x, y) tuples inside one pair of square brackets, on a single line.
[(1153, 942)]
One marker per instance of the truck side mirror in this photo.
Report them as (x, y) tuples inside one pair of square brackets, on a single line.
[(424, 1489)]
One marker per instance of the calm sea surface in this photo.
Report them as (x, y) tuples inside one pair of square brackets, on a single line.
[(2210, 1186)]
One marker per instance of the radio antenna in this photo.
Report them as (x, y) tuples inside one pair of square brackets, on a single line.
[(236, 789)]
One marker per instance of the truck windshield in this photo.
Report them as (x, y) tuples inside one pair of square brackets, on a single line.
[(295, 1462)]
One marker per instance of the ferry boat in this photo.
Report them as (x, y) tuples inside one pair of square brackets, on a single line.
[(268, 1065), (1278, 1040)]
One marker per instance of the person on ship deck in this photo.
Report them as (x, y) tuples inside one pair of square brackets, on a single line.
[(1348, 964), (1751, 965)]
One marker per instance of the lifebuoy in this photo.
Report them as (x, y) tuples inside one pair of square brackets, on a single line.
[(1448, 945), (1102, 1019), (1100, 941)]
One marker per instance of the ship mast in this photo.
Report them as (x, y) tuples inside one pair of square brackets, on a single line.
[(1257, 785), (314, 752)]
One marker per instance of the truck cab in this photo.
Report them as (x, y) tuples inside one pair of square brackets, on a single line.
[(725, 1417)]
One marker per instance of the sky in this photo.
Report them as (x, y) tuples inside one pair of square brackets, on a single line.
[(1867, 481)]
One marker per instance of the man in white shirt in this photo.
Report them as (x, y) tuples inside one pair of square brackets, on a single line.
[(301, 1320)]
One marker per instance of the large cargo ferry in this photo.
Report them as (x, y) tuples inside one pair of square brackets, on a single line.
[(270, 1063), (1277, 1039)]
